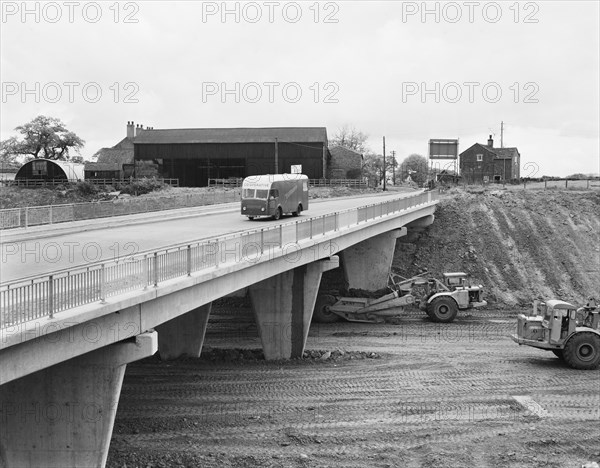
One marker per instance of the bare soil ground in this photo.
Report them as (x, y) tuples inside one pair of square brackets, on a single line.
[(521, 244), (407, 394), (411, 393)]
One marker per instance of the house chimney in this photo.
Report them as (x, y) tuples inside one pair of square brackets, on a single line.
[(130, 132), (139, 129), (490, 142)]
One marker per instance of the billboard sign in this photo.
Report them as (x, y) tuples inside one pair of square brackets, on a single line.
[(443, 149)]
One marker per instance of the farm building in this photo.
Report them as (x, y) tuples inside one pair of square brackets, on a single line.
[(115, 162), (198, 154), (484, 163), (345, 163), (48, 170)]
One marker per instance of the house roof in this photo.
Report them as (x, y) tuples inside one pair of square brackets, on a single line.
[(233, 135), (499, 153), (115, 156), (125, 143), (338, 149), (505, 153)]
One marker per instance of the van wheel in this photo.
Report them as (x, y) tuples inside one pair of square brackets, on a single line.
[(298, 211), (277, 214)]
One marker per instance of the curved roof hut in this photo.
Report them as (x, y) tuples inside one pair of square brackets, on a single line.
[(48, 170)]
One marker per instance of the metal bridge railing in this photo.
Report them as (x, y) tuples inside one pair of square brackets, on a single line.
[(45, 296)]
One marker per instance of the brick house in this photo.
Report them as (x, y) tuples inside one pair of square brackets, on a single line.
[(345, 163), (484, 163)]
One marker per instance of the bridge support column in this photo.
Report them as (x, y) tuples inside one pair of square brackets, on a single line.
[(283, 307), (367, 264), (183, 335), (63, 416)]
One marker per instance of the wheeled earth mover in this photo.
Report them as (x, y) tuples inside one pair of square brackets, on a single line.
[(441, 300), (571, 333)]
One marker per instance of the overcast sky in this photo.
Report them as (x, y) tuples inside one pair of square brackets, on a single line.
[(408, 70)]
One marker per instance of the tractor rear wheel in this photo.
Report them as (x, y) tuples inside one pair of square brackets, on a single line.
[(321, 313), (442, 309), (582, 351), (558, 353)]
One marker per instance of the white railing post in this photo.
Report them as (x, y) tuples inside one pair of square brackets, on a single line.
[(262, 241), (50, 214), (189, 260), (26, 216), (155, 269), (145, 271), (102, 284), (51, 295)]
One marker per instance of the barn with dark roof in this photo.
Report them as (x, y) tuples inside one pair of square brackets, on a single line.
[(196, 155)]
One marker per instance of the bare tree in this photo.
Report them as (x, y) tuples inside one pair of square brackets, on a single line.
[(350, 138)]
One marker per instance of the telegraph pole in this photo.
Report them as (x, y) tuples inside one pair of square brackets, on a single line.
[(393, 167), (276, 156), (384, 174), (501, 134)]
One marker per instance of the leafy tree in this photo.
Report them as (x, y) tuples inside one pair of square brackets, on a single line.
[(8, 157), (351, 138), (417, 167), (373, 168), (43, 137)]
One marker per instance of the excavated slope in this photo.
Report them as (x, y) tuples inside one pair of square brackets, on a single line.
[(521, 244)]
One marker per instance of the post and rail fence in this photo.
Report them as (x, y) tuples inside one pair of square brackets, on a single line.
[(237, 182), (56, 182), (44, 296)]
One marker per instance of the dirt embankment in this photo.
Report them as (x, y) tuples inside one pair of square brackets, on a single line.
[(521, 245)]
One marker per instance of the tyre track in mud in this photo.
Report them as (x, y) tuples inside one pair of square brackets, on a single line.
[(435, 397)]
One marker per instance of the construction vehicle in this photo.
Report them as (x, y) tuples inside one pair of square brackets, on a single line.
[(571, 333), (444, 299), (441, 300)]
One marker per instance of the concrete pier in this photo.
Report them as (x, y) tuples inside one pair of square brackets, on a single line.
[(283, 307), (63, 416), (183, 335), (367, 264)]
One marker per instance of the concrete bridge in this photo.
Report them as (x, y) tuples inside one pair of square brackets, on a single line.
[(67, 336)]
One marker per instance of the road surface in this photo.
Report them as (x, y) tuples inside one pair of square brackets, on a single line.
[(22, 259)]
